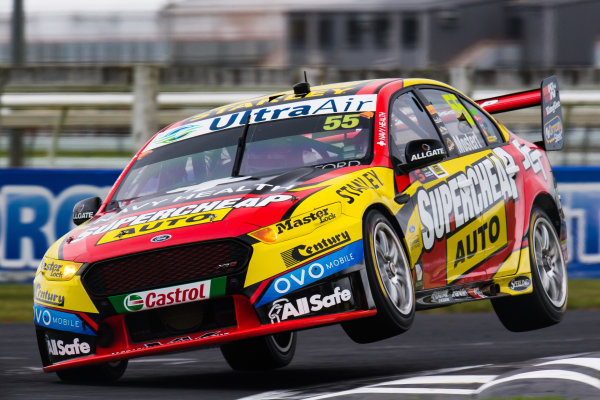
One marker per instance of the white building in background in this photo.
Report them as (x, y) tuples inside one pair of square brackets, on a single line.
[(279, 33), (199, 32)]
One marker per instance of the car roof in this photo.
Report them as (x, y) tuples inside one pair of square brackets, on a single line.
[(351, 88), (371, 86)]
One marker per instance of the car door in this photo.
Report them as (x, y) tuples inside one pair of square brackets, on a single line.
[(427, 217), (484, 229)]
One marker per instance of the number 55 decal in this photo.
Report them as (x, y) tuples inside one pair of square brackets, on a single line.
[(344, 121)]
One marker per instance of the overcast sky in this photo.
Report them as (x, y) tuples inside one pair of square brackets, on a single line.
[(83, 5)]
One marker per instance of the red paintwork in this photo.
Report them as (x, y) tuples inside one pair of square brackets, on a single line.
[(513, 101), (244, 220), (248, 326)]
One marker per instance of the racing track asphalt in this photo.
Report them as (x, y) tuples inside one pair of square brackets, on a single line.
[(326, 361)]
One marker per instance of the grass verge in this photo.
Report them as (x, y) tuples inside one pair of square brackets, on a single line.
[(16, 302)]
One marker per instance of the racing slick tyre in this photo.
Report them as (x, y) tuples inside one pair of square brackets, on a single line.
[(101, 373), (390, 280), (261, 353), (547, 304)]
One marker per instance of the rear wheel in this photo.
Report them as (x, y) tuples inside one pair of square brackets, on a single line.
[(547, 304), (261, 353), (390, 280), (101, 373)]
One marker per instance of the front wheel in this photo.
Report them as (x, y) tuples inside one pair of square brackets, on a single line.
[(548, 302), (261, 353), (101, 373), (390, 280)]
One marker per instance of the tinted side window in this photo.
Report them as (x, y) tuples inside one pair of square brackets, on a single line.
[(488, 129), (462, 134), (409, 121)]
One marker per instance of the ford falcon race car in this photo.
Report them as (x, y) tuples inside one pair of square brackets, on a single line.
[(354, 203)]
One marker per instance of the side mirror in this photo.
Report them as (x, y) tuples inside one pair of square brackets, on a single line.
[(423, 152), (86, 209)]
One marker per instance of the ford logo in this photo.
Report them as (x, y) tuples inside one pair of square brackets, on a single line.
[(160, 238)]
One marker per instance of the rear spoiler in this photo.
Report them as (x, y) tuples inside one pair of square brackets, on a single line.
[(547, 96)]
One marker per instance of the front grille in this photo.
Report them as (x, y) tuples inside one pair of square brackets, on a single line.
[(165, 267), (182, 319)]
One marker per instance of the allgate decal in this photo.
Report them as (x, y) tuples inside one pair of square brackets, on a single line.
[(305, 275), (168, 296)]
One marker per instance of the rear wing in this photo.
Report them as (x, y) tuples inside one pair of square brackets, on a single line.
[(547, 96)]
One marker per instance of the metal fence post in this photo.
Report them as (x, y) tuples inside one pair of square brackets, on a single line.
[(145, 105), (18, 60)]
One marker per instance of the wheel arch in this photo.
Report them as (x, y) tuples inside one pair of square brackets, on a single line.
[(546, 202), (388, 214)]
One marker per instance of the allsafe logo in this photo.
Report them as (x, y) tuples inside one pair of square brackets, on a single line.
[(60, 348), (283, 309)]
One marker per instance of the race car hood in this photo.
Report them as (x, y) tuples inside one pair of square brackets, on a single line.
[(224, 208)]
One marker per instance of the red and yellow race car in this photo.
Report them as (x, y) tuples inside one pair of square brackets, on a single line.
[(354, 203)]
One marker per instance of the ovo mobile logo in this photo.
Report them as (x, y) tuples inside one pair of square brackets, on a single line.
[(133, 302)]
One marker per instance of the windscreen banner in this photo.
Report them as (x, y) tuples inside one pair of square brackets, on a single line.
[(36, 208)]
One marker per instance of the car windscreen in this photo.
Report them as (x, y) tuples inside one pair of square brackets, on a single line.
[(271, 147)]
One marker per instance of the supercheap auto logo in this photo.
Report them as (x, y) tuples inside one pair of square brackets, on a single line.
[(168, 296), (465, 196), (175, 217), (468, 210)]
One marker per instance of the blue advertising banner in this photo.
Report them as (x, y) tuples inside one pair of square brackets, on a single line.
[(36, 209), (579, 189)]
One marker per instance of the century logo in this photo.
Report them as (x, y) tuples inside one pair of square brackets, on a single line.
[(47, 297), (303, 252)]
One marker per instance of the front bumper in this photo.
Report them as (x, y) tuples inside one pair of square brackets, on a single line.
[(122, 347)]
